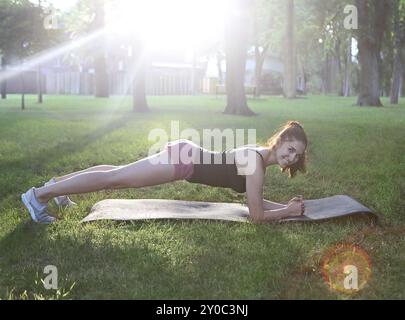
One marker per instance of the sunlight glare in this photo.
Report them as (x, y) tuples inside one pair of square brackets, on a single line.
[(168, 24)]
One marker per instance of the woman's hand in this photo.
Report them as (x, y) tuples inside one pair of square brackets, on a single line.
[(296, 205), (294, 209)]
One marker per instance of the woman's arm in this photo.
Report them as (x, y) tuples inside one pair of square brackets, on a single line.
[(288, 211), (254, 192), (270, 205), (260, 215), (259, 208)]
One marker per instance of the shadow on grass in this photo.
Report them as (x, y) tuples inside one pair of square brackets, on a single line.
[(98, 267), (253, 266), (37, 162), (208, 259), (233, 260)]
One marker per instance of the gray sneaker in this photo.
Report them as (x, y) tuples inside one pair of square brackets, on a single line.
[(61, 201), (38, 215)]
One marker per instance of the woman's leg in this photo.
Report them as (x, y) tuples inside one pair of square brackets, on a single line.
[(142, 173), (103, 167)]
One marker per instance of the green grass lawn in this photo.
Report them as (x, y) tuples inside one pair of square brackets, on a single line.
[(354, 151)]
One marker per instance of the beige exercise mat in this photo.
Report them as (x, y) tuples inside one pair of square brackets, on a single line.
[(142, 209)]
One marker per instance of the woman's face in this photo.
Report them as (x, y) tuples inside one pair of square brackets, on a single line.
[(289, 151)]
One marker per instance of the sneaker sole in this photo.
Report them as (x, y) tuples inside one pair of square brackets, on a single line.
[(29, 207)]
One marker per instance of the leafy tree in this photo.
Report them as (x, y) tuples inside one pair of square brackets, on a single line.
[(85, 19), (266, 35), (22, 33), (335, 44), (16, 32)]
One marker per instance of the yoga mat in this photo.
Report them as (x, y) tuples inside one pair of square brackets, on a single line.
[(143, 209)]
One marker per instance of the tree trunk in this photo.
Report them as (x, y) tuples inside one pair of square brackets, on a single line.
[(346, 76), (340, 69), (39, 84), (259, 56), (3, 83), (236, 42), (324, 75), (22, 91), (372, 19), (101, 76), (139, 102), (193, 84), (39, 73), (290, 57), (398, 67), (396, 81), (219, 62), (369, 76), (329, 73), (304, 80), (100, 65)]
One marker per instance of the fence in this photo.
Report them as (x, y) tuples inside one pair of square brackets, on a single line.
[(174, 82)]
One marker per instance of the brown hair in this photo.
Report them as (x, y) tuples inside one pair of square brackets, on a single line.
[(290, 131)]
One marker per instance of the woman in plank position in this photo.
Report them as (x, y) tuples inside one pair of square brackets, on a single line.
[(242, 169)]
